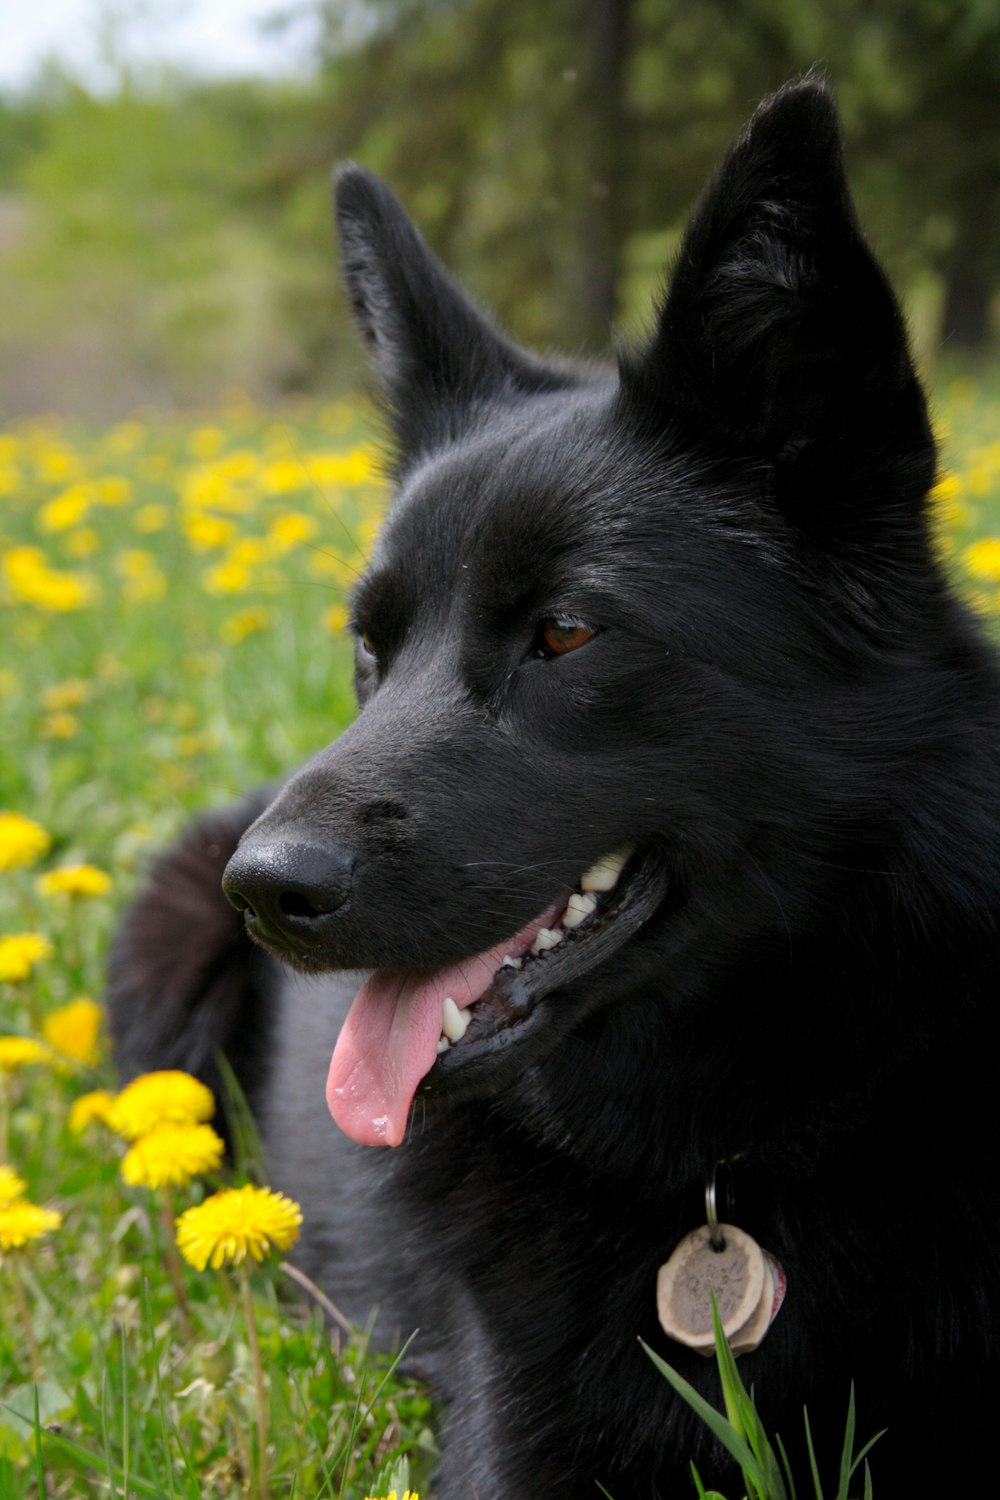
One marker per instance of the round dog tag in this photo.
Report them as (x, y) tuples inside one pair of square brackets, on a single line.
[(738, 1274), (746, 1339)]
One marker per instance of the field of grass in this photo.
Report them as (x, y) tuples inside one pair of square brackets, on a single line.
[(172, 597)]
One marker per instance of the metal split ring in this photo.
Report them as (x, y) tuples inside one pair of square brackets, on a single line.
[(716, 1238)]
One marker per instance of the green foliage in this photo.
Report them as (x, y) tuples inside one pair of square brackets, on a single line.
[(143, 237), (172, 238)]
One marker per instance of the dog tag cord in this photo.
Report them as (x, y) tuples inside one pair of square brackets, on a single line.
[(738, 1274)]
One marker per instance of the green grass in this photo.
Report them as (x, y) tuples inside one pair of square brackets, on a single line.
[(121, 717)]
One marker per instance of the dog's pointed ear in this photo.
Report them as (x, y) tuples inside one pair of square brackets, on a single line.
[(780, 336), (437, 356)]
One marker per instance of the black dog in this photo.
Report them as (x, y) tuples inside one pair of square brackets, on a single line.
[(688, 618)]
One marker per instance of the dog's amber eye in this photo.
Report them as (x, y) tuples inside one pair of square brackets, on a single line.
[(558, 635)]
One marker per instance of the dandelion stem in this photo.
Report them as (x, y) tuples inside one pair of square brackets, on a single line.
[(20, 1297), (172, 1261), (258, 1376), (4, 1117)]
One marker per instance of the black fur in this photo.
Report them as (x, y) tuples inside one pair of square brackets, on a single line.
[(786, 711)]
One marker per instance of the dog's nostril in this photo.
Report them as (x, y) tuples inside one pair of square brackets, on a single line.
[(288, 885), (295, 904)]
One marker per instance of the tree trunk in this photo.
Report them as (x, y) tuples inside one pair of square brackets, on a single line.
[(965, 323), (603, 212)]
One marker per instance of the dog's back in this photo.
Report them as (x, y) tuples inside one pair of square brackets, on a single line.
[(677, 777)]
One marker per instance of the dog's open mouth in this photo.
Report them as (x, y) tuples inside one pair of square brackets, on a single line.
[(406, 1030)]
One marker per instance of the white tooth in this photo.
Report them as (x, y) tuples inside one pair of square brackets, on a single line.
[(547, 937), (455, 1022), (578, 909), (510, 963), (443, 1045), (604, 875)]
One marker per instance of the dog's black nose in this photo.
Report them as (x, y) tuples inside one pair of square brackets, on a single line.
[(288, 888)]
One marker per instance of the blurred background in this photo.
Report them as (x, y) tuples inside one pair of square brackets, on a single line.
[(164, 199)]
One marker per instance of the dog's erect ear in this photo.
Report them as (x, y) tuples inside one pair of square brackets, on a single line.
[(780, 336), (437, 356)]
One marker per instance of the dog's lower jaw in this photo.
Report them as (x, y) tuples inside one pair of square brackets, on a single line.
[(511, 1025)]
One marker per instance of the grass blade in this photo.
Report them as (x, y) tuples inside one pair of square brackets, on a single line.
[(787, 1467), (814, 1467), (723, 1430), (111, 1471), (39, 1466), (848, 1448)]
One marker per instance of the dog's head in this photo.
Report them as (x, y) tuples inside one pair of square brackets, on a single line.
[(616, 643)]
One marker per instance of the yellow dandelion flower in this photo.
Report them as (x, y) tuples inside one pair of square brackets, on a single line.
[(157, 466), (227, 578), (290, 530), (22, 840), (207, 531), (113, 490), (20, 1052), (336, 617), (235, 1223), (98, 1105), (65, 510), (21, 1222), (247, 551), (982, 558), (355, 467), (11, 1185), (58, 465), (283, 475), (142, 579), (8, 682), (75, 880), (31, 580), (167, 1097), (172, 1155), (83, 542), (74, 1030), (206, 442), (948, 487), (195, 744), (126, 436), (328, 565), (153, 709), (980, 480), (72, 693), (367, 532), (407, 1495), (59, 726), (245, 622), (150, 518), (19, 952)]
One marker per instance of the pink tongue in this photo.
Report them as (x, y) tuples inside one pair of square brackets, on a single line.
[(389, 1039)]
